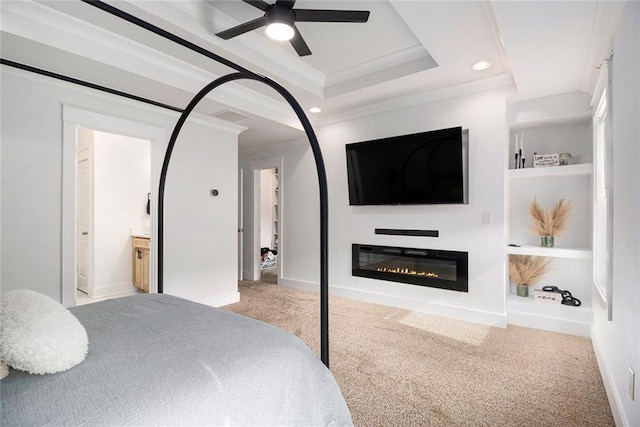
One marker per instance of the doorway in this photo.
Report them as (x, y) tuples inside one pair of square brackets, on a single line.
[(269, 225), (75, 122), (113, 210), (267, 219)]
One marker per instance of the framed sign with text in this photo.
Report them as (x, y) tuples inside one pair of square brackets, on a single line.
[(546, 160)]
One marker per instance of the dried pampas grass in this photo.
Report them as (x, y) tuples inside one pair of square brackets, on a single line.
[(526, 269), (551, 221)]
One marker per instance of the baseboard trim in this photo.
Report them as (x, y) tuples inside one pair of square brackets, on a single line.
[(224, 299), (619, 416), (299, 284), (466, 314), (561, 326), (210, 300), (105, 291)]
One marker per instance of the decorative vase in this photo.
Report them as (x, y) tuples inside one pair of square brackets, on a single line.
[(522, 290), (546, 241)]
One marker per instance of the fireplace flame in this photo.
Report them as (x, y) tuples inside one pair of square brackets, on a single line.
[(407, 271)]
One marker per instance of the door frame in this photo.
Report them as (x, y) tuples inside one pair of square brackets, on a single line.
[(72, 119), (240, 224), (90, 220), (256, 167)]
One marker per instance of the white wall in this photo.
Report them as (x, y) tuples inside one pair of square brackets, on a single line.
[(122, 179), (201, 233), (461, 228), (617, 343), (201, 239)]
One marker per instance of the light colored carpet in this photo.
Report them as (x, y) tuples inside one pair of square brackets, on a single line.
[(269, 275), (400, 368)]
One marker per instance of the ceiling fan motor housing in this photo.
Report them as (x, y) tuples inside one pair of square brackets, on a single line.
[(283, 14)]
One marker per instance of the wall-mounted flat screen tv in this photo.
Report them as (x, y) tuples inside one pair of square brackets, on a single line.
[(418, 169)]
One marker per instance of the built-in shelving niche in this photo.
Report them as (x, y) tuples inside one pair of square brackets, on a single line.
[(554, 130)]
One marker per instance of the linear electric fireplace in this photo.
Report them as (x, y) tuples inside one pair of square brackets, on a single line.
[(423, 267)]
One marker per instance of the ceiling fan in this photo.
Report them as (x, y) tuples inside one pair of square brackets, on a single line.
[(280, 19)]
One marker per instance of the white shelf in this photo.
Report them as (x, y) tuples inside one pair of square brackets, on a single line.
[(524, 311), (545, 309), (550, 121), (552, 171), (550, 252)]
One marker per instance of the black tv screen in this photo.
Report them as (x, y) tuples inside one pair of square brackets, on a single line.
[(422, 168)]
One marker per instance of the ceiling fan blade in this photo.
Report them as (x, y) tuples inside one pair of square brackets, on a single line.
[(242, 28), (287, 3), (315, 15), (258, 3), (299, 44)]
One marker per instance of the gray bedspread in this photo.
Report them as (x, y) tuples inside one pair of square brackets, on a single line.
[(162, 360)]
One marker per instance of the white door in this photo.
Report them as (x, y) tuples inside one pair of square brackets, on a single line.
[(83, 215), (240, 224)]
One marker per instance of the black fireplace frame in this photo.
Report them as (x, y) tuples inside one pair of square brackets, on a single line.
[(461, 259)]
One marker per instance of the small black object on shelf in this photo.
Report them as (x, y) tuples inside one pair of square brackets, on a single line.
[(567, 298)]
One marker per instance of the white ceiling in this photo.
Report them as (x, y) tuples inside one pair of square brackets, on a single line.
[(409, 52)]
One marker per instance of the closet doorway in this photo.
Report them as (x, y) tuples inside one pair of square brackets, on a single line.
[(267, 220)]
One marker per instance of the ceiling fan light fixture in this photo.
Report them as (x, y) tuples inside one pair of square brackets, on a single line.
[(481, 65), (280, 31), (280, 20)]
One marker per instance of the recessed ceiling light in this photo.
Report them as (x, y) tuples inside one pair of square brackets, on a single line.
[(280, 31), (481, 65), (315, 110)]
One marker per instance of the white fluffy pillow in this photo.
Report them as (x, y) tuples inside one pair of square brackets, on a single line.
[(38, 335)]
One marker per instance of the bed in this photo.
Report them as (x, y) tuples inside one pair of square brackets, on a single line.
[(156, 359)]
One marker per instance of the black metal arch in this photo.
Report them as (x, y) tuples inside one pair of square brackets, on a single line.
[(322, 182), (243, 73)]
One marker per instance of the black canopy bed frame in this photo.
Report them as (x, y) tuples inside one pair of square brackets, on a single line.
[(240, 74)]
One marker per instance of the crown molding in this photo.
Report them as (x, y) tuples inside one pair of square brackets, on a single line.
[(218, 124), (395, 65), (423, 97)]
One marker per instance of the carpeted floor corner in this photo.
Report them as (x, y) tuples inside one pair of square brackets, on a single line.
[(400, 368)]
